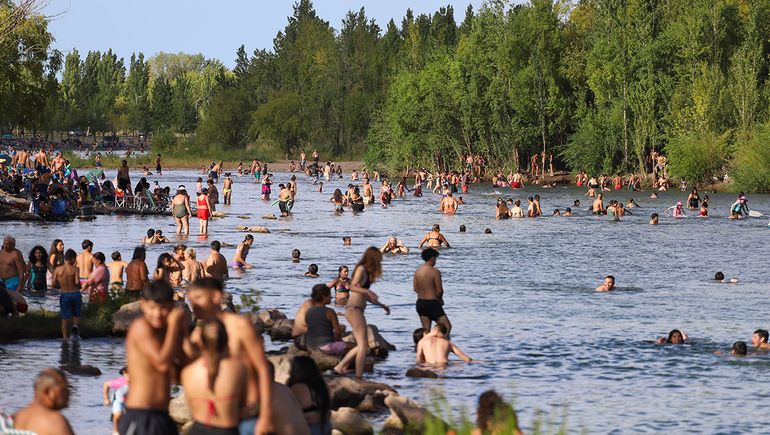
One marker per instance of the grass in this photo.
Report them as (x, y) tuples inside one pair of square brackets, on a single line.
[(96, 321), (505, 422)]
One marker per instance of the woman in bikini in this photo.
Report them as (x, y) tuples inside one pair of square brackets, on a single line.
[(366, 272), (434, 238), (339, 201), (180, 208), (341, 286), (215, 404), (204, 212)]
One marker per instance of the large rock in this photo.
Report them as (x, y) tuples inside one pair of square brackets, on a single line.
[(269, 317), (179, 411), (122, 318), (281, 330), (323, 361), (378, 346), (350, 422), (256, 229), (282, 366), (350, 392), (414, 372), (407, 416), (259, 327)]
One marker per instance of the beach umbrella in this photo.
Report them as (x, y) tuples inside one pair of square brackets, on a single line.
[(94, 174), (5, 158)]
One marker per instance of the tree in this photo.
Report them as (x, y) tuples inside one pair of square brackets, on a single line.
[(185, 113), (161, 103), (137, 93)]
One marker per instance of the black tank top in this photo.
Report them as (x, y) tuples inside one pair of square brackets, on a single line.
[(39, 280), (319, 327)]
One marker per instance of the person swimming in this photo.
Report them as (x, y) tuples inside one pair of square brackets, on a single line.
[(675, 336)]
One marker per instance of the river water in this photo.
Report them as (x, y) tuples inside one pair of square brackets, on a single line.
[(521, 300)]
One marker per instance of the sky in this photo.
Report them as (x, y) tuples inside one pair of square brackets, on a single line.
[(215, 28)]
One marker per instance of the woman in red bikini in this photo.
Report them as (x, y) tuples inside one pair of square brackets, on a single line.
[(204, 212), (215, 404)]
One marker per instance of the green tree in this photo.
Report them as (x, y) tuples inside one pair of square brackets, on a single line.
[(161, 103)]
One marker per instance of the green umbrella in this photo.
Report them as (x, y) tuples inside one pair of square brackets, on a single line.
[(5, 158)]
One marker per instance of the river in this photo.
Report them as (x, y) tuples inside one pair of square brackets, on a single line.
[(521, 301)]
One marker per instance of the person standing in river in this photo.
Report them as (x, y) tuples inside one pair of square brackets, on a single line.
[(158, 168), (124, 179), (136, 273), (366, 272), (430, 292), (180, 208)]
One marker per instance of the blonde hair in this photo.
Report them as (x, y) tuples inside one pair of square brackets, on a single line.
[(190, 253)]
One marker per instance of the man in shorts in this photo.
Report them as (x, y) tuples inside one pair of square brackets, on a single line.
[(65, 277), (430, 292)]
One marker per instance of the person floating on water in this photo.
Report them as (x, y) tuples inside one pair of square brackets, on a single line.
[(675, 336)]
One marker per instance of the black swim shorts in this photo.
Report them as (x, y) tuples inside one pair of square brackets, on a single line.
[(146, 422), (430, 308)]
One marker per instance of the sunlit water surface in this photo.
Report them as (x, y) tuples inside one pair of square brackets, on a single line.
[(521, 301)]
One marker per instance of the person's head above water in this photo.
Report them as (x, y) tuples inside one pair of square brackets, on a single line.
[(249, 239), (346, 240), (487, 231), (216, 246), (759, 338), (417, 335), (739, 349), (295, 255), (719, 276), (312, 269), (150, 232), (675, 336), (462, 228), (436, 227)]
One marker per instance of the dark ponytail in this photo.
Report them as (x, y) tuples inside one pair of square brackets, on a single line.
[(214, 346)]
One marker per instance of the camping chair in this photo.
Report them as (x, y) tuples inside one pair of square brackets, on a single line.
[(120, 198)]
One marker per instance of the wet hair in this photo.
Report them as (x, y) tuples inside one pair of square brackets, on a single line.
[(70, 255), (304, 371), (32, 258), (371, 261), (762, 333), (556, 211), (123, 370), (671, 335), (462, 228), (159, 291), (139, 253), (295, 253), (163, 258), (319, 292), (180, 247), (214, 346), (150, 232), (417, 335), (610, 277), (87, 244), (313, 268), (215, 245), (100, 256), (492, 411), (115, 256), (248, 237), (517, 203), (719, 276), (568, 210), (208, 284), (346, 238), (739, 348), (654, 216), (429, 253), (340, 269), (337, 195), (576, 203), (487, 231)]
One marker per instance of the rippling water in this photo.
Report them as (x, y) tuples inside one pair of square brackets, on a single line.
[(521, 300)]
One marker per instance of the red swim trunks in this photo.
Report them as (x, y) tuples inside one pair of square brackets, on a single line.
[(515, 185)]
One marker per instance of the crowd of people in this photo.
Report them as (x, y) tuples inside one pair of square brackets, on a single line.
[(220, 362)]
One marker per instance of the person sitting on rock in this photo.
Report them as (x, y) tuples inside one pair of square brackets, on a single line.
[(323, 328), (434, 348)]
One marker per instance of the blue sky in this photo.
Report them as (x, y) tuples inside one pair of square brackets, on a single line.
[(215, 28)]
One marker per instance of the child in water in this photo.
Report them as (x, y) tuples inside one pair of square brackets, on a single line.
[(312, 271)]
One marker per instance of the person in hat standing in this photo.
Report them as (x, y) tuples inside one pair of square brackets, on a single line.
[(180, 209)]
